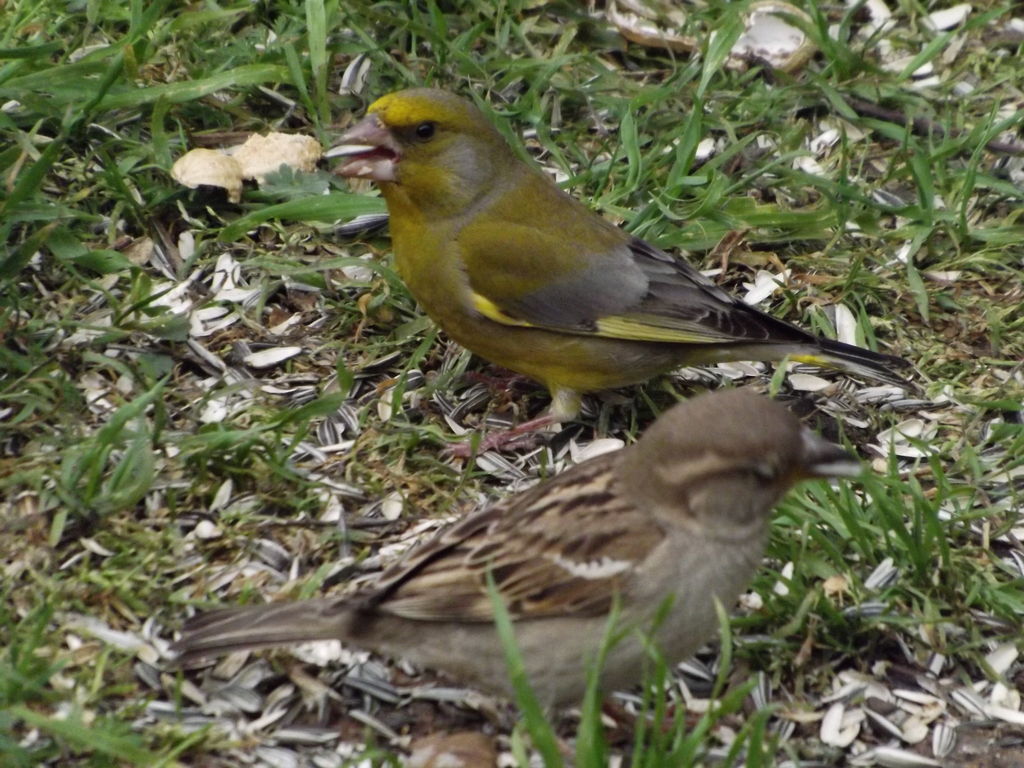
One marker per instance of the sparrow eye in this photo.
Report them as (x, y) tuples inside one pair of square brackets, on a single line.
[(767, 473), (425, 131)]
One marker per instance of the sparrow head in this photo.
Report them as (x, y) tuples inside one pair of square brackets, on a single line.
[(724, 459), (437, 147)]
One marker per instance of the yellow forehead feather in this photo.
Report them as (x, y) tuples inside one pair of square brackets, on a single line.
[(418, 105)]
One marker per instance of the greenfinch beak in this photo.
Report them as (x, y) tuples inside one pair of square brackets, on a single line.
[(370, 151)]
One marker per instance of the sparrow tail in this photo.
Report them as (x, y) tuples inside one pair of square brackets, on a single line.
[(261, 626)]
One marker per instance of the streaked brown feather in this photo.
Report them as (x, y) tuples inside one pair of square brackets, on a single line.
[(447, 578)]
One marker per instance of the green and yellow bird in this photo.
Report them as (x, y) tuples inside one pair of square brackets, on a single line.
[(517, 271)]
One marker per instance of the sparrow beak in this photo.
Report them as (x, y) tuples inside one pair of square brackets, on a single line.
[(370, 151), (820, 458)]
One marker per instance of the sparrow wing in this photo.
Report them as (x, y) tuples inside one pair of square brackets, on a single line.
[(561, 549)]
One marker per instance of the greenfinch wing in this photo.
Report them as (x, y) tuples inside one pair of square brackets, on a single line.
[(633, 292)]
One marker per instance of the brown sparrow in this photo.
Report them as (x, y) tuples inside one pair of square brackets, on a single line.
[(681, 515)]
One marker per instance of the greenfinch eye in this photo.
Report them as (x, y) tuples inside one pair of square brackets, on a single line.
[(425, 131)]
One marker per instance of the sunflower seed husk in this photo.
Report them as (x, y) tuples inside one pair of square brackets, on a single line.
[(1002, 657), (943, 740), (884, 575), (893, 757), (883, 724)]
